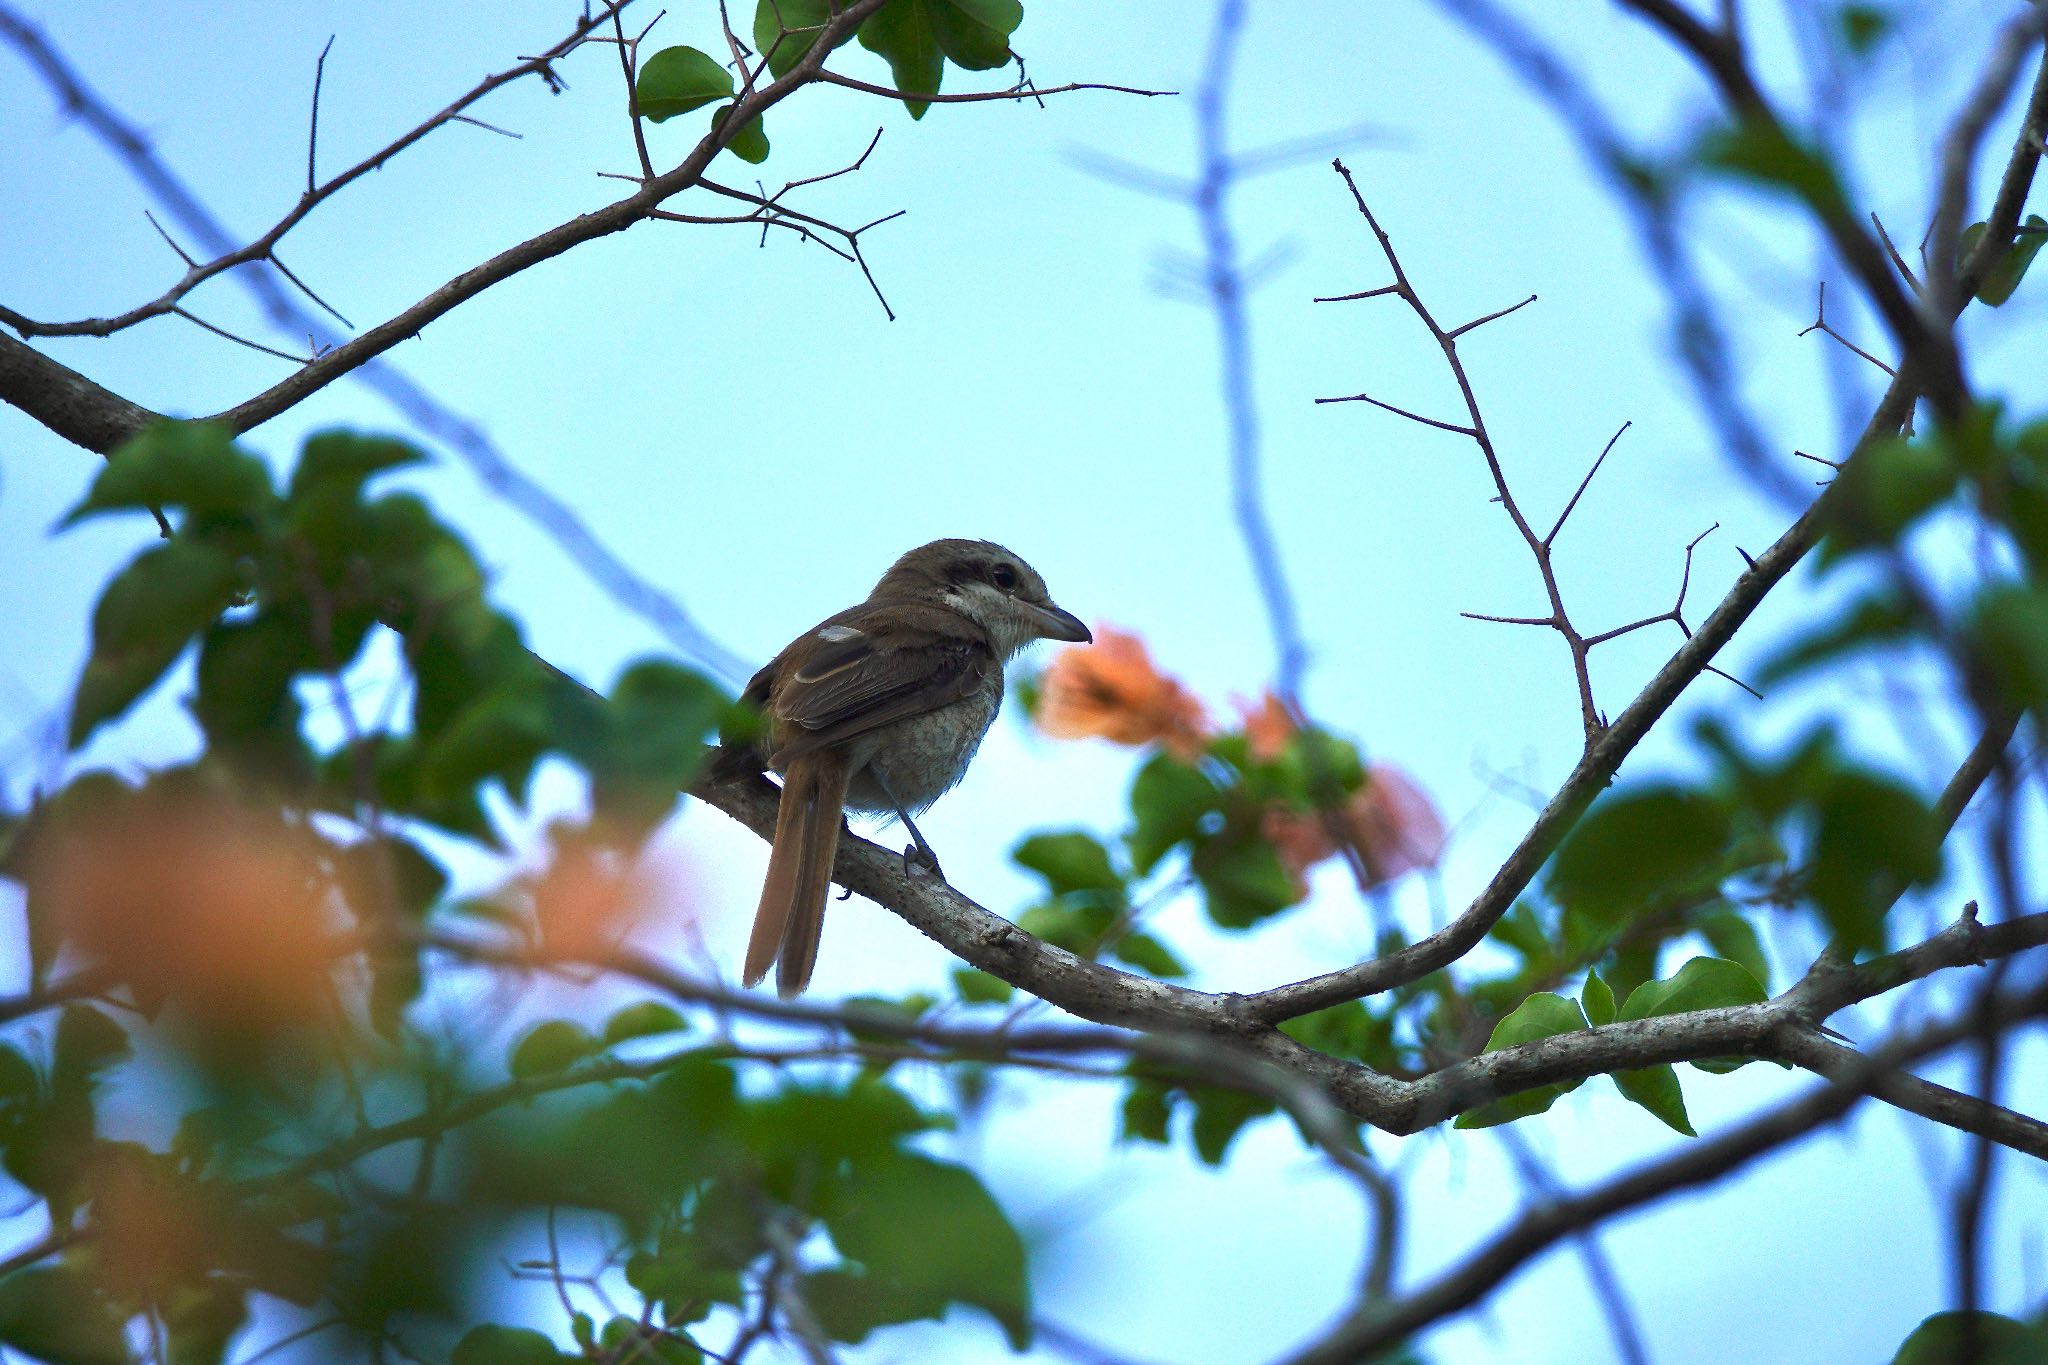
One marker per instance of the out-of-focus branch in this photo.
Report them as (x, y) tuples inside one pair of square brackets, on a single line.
[(72, 91)]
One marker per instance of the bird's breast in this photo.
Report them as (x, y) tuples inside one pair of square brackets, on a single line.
[(923, 757)]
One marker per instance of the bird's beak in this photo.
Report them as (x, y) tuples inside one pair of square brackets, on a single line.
[(1054, 624)]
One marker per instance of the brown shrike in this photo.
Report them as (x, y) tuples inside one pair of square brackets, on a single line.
[(879, 709)]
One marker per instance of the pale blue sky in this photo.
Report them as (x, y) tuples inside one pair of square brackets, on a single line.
[(745, 427)]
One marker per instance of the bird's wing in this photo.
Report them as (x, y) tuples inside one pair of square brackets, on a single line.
[(872, 665)]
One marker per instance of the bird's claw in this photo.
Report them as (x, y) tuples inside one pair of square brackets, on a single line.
[(918, 859)]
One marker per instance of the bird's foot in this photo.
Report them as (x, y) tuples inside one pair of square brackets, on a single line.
[(919, 860)]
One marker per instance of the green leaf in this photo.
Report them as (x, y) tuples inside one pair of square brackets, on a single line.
[(901, 34), (1875, 621), (1656, 1088), (171, 464), (145, 618), (2000, 1341), (975, 34), (2010, 625), (1169, 801), (2004, 278), (200, 1322), (1757, 150), (1149, 955), (1147, 1110), (342, 461), (1874, 840), (1071, 861), (1704, 983), (1242, 880), (1543, 1015), (53, 1314), (1863, 26), (784, 30), (676, 80), (1735, 938), (645, 1019), (491, 1344), (644, 744), (977, 987), (928, 1233), (551, 1047), (1597, 1000), (88, 1044), (1636, 845), (1884, 491), (749, 144), (1220, 1115)]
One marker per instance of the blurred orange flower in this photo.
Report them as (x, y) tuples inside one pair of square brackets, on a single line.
[(1389, 820), (1112, 690), (195, 899)]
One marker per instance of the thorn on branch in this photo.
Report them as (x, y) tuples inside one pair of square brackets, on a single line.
[(1584, 483), (1820, 324), (1402, 412), (1457, 332), (313, 129)]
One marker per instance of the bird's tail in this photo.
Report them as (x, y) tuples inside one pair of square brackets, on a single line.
[(792, 910)]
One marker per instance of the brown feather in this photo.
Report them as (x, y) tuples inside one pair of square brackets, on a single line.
[(792, 911)]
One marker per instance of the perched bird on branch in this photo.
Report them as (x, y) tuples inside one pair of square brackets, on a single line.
[(878, 709)]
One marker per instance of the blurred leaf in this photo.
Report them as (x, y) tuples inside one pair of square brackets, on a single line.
[(931, 1232), (1521, 930), (1220, 1115), (1242, 879), (1874, 840), (1863, 26), (144, 619), (1147, 1110), (977, 987), (1656, 1088), (676, 80), (551, 1046), (171, 464), (645, 1019), (88, 1044), (2010, 625), (686, 1274), (1069, 862), (1636, 845), (491, 1344), (2003, 279), (1149, 955), (342, 461), (1169, 801), (53, 1314), (199, 1322), (625, 1339), (2000, 1341), (1875, 620), (1543, 1015), (1884, 491), (1756, 150)]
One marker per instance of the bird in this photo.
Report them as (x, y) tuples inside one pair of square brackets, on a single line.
[(879, 709)]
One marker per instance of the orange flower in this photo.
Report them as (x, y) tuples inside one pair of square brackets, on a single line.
[(1112, 690), (1268, 727)]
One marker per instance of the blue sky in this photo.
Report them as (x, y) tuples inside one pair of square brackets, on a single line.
[(742, 424)]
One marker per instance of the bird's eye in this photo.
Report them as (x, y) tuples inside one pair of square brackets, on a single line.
[(1003, 576)]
